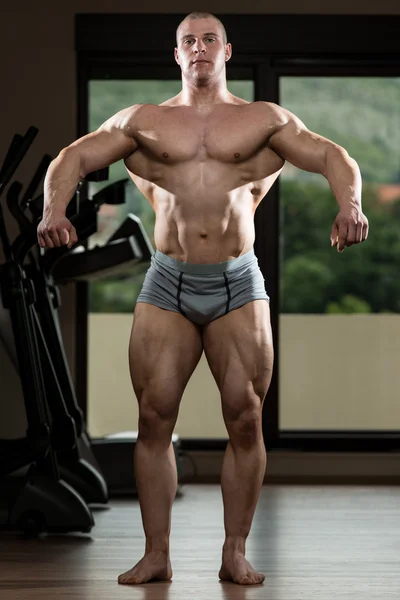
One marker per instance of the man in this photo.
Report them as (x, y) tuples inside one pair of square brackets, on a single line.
[(204, 160)]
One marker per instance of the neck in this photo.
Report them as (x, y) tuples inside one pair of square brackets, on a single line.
[(202, 93)]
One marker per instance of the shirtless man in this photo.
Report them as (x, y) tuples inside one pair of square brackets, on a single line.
[(204, 160)]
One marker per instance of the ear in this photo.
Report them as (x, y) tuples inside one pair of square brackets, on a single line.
[(176, 56), (228, 51)]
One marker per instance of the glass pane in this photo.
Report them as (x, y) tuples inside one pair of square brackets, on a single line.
[(112, 300), (339, 322)]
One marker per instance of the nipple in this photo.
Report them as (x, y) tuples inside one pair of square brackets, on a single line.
[(165, 154), (237, 155)]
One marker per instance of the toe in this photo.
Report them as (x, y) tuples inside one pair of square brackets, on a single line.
[(258, 577), (245, 580), (251, 579), (126, 578)]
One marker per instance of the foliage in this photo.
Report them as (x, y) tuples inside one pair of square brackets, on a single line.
[(315, 277), (348, 304)]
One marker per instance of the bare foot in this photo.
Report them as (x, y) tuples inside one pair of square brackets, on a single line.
[(153, 566), (237, 569)]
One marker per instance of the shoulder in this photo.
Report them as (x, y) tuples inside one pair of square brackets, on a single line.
[(277, 115), (129, 119), (171, 102), (280, 119)]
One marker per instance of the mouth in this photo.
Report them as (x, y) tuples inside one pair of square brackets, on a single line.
[(196, 62)]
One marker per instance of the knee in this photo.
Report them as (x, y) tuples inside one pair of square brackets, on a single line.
[(245, 425), (157, 417)]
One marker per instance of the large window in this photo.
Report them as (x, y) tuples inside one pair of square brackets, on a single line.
[(340, 322), (335, 317)]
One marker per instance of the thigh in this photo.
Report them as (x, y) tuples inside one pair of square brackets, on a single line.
[(164, 350), (239, 350)]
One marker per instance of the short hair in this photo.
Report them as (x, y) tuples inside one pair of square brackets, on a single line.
[(203, 15)]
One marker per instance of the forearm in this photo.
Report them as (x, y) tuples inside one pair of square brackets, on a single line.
[(344, 178), (61, 181)]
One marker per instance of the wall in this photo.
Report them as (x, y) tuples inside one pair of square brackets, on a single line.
[(38, 83), (324, 383)]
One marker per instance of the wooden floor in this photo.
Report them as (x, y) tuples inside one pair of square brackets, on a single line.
[(311, 542)]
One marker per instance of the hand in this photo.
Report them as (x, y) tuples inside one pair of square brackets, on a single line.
[(56, 230), (350, 227)]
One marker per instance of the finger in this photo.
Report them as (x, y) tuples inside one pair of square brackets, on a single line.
[(41, 241), (366, 231), (334, 235), (351, 234), (47, 239), (359, 234), (73, 236), (72, 241), (342, 237), (64, 236), (53, 233)]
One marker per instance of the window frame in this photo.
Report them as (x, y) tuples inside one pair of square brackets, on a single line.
[(268, 46)]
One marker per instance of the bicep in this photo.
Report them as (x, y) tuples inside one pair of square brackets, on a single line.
[(113, 141), (300, 146)]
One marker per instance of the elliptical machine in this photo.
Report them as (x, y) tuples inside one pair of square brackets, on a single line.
[(128, 246), (34, 498), (57, 441)]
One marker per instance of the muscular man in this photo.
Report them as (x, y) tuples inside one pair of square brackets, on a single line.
[(204, 160)]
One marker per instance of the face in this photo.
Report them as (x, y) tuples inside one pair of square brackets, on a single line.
[(201, 52)]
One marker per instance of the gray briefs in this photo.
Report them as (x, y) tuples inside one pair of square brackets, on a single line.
[(202, 292)]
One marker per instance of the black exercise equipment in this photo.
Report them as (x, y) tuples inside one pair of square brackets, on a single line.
[(67, 430), (63, 265), (77, 464), (34, 497), (128, 246)]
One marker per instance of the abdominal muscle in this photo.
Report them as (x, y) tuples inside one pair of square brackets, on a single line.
[(213, 231), (204, 209)]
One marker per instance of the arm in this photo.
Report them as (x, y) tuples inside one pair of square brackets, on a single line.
[(312, 152), (111, 142)]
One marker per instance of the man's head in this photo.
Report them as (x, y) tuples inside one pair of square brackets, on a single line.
[(202, 48), (194, 16)]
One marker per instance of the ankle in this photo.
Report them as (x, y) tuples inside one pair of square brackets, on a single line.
[(234, 544), (157, 545)]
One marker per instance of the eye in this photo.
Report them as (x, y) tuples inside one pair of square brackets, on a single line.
[(210, 39)]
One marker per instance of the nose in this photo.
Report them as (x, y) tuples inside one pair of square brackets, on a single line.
[(199, 47)]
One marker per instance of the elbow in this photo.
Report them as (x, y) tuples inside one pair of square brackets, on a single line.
[(334, 155), (71, 156)]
